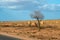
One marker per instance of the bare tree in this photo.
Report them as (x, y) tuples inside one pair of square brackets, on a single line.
[(39, 16)]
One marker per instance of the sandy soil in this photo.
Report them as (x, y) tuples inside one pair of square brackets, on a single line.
[(32, 33)]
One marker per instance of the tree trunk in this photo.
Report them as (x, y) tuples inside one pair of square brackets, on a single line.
[(38, 23)]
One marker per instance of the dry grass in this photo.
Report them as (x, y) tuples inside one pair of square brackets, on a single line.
[(50, 30)]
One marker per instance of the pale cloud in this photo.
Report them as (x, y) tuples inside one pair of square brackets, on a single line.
[(28, 4), (45, 6), (50, 7), (8, 0), (21, 4), (15, 7), (17, 4), (12, 7)]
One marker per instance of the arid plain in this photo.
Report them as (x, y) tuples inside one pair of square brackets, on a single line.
[(28, 30)]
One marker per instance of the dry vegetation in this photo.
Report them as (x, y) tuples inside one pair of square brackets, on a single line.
[(50, 29)]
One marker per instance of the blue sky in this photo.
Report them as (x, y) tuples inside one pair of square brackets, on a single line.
[(12, 10)]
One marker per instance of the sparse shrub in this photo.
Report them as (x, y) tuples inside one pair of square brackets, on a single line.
[(5, 25), (50, 26), (32, 36), (53, 38), (18, 34), (42, 27)]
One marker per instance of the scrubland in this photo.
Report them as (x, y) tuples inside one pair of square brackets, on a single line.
[(50, 29)]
